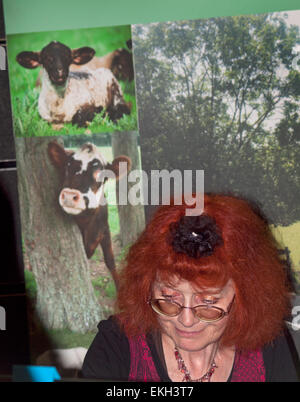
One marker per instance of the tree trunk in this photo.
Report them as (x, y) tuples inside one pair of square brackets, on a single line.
[(53, 244), (131, 217)]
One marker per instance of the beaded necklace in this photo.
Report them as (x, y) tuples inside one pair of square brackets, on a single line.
[(187, 377)]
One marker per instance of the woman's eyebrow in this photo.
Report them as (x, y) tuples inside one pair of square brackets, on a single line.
[(168, 289), (216, 293), (166, 285)]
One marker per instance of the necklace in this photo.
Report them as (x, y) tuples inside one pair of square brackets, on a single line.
[(183, 369)]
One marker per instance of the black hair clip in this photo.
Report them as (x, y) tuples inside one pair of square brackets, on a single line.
[(196, 236)]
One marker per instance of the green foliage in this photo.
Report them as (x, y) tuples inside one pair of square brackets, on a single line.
[(26, 119), (113, 217), (221, 95), (64, 338), (110, 290), (104, 286), (30, 284)]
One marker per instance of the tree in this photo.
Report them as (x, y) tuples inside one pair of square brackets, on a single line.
[(131, 217), (217, 95), (53, 244)]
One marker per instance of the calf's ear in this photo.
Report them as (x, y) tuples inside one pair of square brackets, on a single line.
[(82, 55), (121, 165), (129, 43), (57, 154), (29, 59)]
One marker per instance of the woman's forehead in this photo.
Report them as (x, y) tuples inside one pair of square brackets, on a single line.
[(181, 285)]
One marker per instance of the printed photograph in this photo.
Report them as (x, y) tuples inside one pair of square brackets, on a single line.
[(223, 95), (75, 235), (72, 82), (219, 95)]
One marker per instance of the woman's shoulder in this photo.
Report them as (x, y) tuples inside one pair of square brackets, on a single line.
[(111, 333), (111, 324), (108, 356), (281, 359)]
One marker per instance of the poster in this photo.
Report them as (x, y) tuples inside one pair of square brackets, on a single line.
[(222, 95), (93, 137), (214, 94)]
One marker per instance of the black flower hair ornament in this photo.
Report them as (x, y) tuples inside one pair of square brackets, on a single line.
[(196, 236)]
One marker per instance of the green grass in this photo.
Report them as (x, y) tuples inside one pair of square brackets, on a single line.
[(64, 338), (110, 193), (24, 95), (30, 284), (104, 285)]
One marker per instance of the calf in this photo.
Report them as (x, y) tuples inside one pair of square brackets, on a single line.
[(83, 174), (119, 62), (74, 96)]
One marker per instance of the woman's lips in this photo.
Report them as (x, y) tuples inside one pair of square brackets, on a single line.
[(187, 334)]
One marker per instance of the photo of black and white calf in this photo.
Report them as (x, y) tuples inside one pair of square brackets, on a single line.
[(74, 96), (72, 82)]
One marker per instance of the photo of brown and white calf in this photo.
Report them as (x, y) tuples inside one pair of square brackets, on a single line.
[(74, 96), (83, 175)]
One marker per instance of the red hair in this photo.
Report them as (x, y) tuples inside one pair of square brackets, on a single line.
[(248, 256)]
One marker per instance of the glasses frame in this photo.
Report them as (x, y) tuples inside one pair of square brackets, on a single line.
[(208, 306)]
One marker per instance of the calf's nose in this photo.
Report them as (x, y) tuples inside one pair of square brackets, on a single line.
[(70, 198)]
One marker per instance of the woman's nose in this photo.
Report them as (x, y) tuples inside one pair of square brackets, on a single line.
[(187, 317)]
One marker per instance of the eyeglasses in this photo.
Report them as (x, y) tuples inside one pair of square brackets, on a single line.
[(203, 312)]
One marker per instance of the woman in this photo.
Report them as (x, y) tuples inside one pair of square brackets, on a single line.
[(202, 298)]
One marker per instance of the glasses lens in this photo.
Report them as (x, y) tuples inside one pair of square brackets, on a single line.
[(205, 313), (208, 313), (165, 307)]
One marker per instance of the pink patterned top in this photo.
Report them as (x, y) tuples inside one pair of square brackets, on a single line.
[(247, 367)]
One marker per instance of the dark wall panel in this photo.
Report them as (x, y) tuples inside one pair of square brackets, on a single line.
[(12, 269), (7, 148), (14, 343), (2, 30)]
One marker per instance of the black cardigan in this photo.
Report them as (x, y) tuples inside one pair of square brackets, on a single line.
[(108, 357)]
